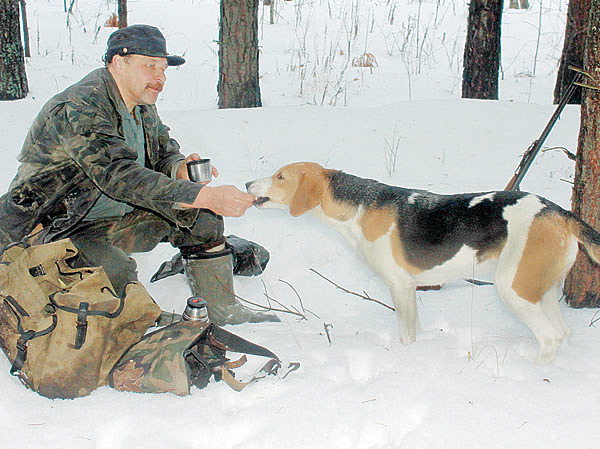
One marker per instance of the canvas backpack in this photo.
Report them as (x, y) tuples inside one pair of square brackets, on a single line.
[(63, 329)]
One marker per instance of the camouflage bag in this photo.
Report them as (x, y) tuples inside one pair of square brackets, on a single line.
[(183, 354), (63, 329)]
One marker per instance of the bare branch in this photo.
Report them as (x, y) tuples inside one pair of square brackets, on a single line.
[(594, 319), (345, 290), (295, 291), (569, 154), (260, 307)]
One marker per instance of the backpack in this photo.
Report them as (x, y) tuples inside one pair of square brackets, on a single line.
[(187, 353), (63, 329)]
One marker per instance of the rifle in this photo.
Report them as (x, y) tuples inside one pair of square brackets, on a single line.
[(535, 147)]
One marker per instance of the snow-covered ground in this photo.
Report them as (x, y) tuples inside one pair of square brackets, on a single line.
[(469, 381)]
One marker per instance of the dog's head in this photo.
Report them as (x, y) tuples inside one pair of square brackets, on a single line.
[(297, 186)]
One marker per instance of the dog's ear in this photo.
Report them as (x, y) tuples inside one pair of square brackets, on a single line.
[(308, 194)]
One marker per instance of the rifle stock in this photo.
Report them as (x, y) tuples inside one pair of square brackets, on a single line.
[(511, 184)]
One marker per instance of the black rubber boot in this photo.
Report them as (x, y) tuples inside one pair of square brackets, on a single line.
[(210, 275)]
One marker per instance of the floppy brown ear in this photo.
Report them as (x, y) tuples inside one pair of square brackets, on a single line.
[(308, 194)]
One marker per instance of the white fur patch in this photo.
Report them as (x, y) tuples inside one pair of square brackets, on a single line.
[(463, 264), (478, 199), (412, 198)]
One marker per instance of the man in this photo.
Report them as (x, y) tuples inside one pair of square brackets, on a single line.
[(98, 166)]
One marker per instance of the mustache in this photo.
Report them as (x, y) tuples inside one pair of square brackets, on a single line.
[(155, 86)]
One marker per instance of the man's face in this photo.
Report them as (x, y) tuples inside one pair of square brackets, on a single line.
[(140, 78)]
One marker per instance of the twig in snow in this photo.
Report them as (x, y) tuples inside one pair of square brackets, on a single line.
[(295, 291), (304, 310), (328, 326), (594, 319), (269, 308), (260, 307), (345, 290)]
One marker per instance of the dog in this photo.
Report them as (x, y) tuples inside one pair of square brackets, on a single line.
[(415, 237)]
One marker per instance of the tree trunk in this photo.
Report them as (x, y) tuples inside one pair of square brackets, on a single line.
[(122, 9), (482, 50), (582, 286), (25, 29), (518, 4), (13, 80), (238, 55), (572, 53)]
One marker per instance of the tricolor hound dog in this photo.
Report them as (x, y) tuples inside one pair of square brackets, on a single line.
[(414, 237)]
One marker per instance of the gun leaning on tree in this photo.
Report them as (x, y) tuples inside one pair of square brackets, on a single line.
[(536, 146)]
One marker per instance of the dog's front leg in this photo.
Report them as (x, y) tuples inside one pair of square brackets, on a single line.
[(405, 302)]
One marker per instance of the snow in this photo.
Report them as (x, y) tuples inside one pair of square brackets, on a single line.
[(469, 381)]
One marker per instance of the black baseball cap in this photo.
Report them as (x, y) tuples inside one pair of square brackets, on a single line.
[(143, 40)]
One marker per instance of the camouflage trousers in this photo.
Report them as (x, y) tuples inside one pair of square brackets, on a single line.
[(109, 242)]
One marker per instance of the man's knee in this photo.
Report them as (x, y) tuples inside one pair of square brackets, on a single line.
[(207, 231), (118, 266), (121, 275)]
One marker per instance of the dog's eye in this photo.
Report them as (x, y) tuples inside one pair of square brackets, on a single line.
[(279, 177)]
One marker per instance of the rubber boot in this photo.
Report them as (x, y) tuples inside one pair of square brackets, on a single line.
[(210, 275)]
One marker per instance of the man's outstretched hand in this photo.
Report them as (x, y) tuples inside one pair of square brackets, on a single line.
[(228, 201)]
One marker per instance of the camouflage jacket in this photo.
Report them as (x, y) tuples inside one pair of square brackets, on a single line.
[(75, 150)]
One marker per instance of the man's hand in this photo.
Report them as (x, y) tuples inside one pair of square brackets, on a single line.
[(228, 201), (182, 172)]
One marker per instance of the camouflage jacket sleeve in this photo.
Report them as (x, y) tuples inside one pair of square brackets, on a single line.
[(93, 143)]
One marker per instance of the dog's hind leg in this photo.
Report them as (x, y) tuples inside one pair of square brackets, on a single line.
[(534, 316), (550, 304), (405, 303)]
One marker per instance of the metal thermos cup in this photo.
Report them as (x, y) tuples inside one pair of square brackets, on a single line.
[(195, 310), (199, 170)]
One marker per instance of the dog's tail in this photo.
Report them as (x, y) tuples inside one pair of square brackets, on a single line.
[(586, 235)]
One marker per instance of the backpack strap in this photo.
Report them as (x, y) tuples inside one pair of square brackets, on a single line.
[(235, 343), (206, 356), (82, 314), (114, 314), (26, 336), (269, 368)]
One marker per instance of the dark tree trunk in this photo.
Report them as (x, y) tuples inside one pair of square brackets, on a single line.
[(238, 55), (582, 286), (25, 29), (572, 53), (122, 9), (13, 80), (482, 50)]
